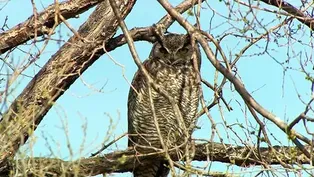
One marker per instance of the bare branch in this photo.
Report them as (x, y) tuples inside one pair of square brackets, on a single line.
[(146, 33), (45, 20), (296, 13), (123, 161)]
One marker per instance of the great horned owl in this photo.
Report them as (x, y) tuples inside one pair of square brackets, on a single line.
[(170, 64)]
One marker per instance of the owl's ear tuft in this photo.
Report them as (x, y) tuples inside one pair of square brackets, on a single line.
[(158, 31), (187, 39)]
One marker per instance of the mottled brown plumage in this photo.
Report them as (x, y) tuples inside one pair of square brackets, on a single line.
[(170, 64)]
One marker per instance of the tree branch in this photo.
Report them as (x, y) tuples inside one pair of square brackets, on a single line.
[(124, 161), (146, 33), (25, 31), (296, 13)]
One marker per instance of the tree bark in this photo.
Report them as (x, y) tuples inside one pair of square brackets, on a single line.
[(43, 24)]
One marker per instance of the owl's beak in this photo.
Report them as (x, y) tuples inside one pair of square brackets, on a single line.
[(172, 57), (174, 60)]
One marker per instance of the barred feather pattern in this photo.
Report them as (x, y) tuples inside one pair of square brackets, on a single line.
[(178, 78)]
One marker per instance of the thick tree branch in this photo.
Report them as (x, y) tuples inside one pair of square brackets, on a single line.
[(124, 161), (25, 31), (56, 76), (298, 14), (146, 33)]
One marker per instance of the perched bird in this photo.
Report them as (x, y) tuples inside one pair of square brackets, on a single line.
[(170, 65)]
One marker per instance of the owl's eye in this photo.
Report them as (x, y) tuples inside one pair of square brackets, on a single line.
[(183, 50), (163, 50)]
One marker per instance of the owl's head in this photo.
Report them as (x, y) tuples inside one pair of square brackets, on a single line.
[(173, 49)]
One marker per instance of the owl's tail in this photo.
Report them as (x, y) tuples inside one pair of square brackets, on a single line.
[(155, 169)]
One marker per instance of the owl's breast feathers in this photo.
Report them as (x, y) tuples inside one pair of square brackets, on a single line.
[(181, 84)]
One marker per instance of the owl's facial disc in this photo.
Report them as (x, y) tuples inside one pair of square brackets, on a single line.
[(174, 56), (173, 49)]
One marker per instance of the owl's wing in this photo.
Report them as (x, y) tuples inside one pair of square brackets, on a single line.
[(135, 108), (138, 83)]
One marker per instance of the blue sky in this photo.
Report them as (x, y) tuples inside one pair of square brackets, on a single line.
[(95, 106)]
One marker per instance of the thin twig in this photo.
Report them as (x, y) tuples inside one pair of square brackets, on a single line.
[(107, 145)]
